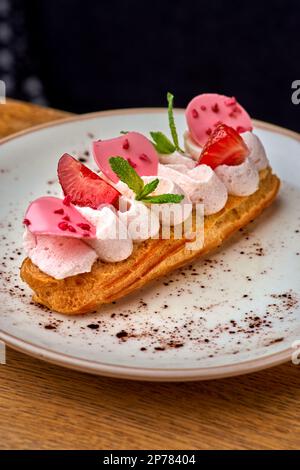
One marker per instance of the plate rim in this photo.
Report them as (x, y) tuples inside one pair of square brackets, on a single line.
[(131, 372), (147, 374)]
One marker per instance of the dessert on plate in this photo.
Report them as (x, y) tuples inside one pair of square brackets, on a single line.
[(105, 237)]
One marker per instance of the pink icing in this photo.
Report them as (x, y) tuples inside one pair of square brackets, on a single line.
[(54, 216), (134, 147), (206, 111)]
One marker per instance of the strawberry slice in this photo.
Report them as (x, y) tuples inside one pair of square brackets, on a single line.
[(83, 186), (224, 147)]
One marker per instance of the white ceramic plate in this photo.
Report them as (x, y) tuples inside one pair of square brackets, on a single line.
[(235, 312)]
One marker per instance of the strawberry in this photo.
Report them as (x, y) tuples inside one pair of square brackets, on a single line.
[(224, 147), (82, 186)]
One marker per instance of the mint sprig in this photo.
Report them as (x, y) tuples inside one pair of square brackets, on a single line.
[(129, 176), (172, 125), (148, 189), (161, 142)]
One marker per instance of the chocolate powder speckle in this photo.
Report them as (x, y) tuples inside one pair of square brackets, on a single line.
[(50, 327), (122, 334), (274, 341), (93, 326)]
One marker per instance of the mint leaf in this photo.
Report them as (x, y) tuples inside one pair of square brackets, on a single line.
[(172, 125), (162, 143), (127, 174), (148, 189), (124, 132), (164, 199)]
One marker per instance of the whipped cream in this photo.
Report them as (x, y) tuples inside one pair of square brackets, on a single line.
[(181, 168), (59, 257), (240, 180), (201, 184), (29, 241), (191, 147), (170, 214), (257, 154), (113, 243), (141, 223), (124, 190), (177, 158)]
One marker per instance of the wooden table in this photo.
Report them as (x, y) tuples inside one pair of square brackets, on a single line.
[(48, 407)]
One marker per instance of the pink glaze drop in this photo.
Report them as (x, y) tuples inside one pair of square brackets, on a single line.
[(84, 226), (230, 101), (131, 162), (144, 157), (63, 226), (126, 144)]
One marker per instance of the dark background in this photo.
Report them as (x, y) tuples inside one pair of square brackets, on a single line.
[(91, 55)]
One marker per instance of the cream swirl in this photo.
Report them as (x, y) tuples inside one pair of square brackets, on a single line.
[(59, 257), (141, 223), (201, 184), (240, 180), (191, 147), (113, 243), (257, 154), (170, 213), (177, 158)]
